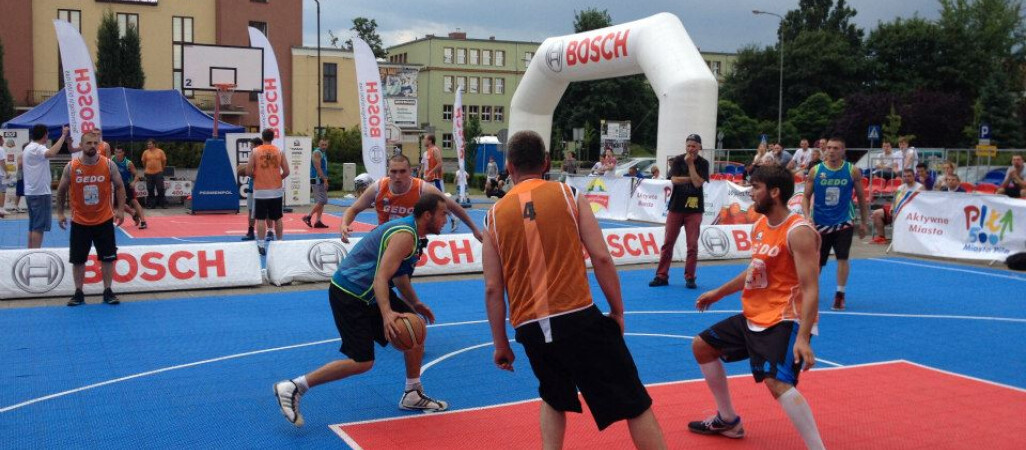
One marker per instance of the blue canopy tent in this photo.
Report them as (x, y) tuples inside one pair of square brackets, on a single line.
[(132, 115)]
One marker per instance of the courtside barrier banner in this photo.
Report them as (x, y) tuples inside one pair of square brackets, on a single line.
[(650, 200), (609, 196), (307, 261), (959, 225), (46, 272)]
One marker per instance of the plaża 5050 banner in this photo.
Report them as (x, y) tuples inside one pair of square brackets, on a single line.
[(958, 225)]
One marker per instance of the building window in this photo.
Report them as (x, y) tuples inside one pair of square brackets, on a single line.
[(447, 113), (461, 83), (73, 16), (500, 58), (474, 82), (447, 55), (330, 83), (447, 83), (528, 56), (486, 57), (486, 113), (500, 86), (447, 141), (262, 26), (486, 85), (461, 56), (475, 56), (181, 33), (499, 116), (125, 21), (715, 67), (473, 112)]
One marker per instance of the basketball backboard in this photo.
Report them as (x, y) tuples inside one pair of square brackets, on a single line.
[(203, 66)]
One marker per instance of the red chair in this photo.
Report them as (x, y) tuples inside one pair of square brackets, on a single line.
[(892, 186), (737, 178), (986, 188), (876, 187), (968, 187), (798, 178)]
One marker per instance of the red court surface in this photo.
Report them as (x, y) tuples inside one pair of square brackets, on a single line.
[(886, 405), (186, 225)]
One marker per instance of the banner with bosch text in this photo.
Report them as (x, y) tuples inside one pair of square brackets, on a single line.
[(609, 197), (46, 272), (372, 114), (958, 225), (83, 98), (272, 102)]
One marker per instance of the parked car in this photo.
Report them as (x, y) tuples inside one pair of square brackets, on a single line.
[(643, 164)]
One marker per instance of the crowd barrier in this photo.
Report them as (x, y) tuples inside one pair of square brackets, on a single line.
[(957, 225)]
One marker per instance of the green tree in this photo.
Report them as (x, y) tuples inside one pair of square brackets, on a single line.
[(822, 15), (753, 84), (996, 106), (590, 143), (367, 29), (471, 131), (132, 75), (108, 52), (739, 130), (814, 116), (591, 19), (892, 126), (905, 55), (981, 35), (6, 100)]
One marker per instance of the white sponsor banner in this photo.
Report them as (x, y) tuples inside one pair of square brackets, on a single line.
[(403, 112), (83, 99), (298, 152), (726, 203), (239, 148), (609, 197), (372, 114), (12, 142), (650, 200), (46, 272), (172, 188), (958, 225), (272, 103), (457, 142), (306, 261)]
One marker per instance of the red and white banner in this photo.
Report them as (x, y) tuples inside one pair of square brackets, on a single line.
[(959, 225), (46, 272), (272, 102), (610, 197), (372, 109), (457, 141), (80, 89)]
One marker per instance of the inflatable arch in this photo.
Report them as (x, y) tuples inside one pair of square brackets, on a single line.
[(657, 46)]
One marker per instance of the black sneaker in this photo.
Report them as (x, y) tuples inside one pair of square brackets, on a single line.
[(716, 425), (838, 302), (320, 225), (77, 299), (249, 237), (656, 282), (690, 284), (109, 297), (143, 226), (306, 220)]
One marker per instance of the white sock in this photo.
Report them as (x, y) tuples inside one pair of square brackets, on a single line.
[(840, 289), (260, 243), (412, 383), (301, 384), (716, 379), (798, 410)]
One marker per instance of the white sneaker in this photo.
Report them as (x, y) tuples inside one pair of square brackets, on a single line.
[(415, 400), (288, 395), (453, 224)]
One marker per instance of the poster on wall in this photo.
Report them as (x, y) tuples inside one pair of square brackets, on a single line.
[(402, 112), (399, 81), (297, 151), (616, 135)]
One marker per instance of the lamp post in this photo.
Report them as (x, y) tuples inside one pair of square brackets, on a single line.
[(320, 90), (780, 97)]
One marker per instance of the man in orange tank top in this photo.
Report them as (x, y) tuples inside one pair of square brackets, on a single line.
[(433, 171), (394, 197), (94, 185), (532, 253), (779, 299), (268, 167)]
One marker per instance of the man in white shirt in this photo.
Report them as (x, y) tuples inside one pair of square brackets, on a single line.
[(802, 156), (909, 154), (36, 170), (889, 163), (883, 217)]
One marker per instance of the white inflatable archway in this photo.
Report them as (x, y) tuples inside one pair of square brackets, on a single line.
[(657, 46)]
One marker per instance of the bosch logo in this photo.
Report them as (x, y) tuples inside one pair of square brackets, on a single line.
[(554, 57), (377, 154), (38, 272), (325, 256), (715, 241)]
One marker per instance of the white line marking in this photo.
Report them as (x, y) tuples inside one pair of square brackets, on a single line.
[(185, 240), (345, 437), (124, 231), (848, 313), (952, 269), (956, 374)]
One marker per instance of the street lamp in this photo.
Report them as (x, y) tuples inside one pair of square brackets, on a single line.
[(320, 90), (780, 98)]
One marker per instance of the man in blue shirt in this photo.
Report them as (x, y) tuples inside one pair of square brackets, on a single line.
[(365, 307), (318, 184), (828, 202)]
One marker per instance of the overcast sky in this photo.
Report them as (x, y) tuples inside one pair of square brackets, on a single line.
[(717, 26)]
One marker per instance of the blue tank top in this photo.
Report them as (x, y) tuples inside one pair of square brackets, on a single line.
[(355, 273), (126, 175), (833, 206), (324, 164)]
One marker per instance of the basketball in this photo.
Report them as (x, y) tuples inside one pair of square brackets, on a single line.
[(411, 332)]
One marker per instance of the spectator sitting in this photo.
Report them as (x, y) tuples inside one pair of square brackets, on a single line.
[(633, 173), (952, 184), (760, 155), (800, 162), (888, 164), (947, 168), (923, 176), (882, 217), (817, 157), (493, 188), (655, 173), (1014, 184), (780, 156)]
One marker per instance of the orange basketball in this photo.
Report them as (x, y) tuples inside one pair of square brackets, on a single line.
[(411, 332)]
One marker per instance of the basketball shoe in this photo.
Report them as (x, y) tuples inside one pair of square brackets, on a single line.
[(415, 400), (716, 425), (288, 395), (838, 301)]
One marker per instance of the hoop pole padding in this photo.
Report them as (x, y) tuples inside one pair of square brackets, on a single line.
[(657, 46)]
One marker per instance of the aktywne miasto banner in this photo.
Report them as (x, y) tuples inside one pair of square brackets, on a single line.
[(79, 82), (457, 138), (958, 225), (372, 109), (272, 104)]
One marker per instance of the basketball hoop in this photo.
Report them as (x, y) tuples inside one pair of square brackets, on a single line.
[(224, 93)]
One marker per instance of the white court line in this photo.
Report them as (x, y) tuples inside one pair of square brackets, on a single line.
[(956, 374), (952, 269), (849, 313), (187, 240), (125, 231)]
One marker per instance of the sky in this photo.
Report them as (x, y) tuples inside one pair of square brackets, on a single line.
[(714, 26)]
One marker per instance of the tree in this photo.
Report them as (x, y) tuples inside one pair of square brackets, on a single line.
[(590, 143), (981, 35), (132, 75), (821, 61), (752, 85), (892, 126), (591, 19), (739, 130), (822, 15), (815, 116), (108, 52), (996, 106), (905, 55), (6, 100), (471, 131), (367, 29)]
